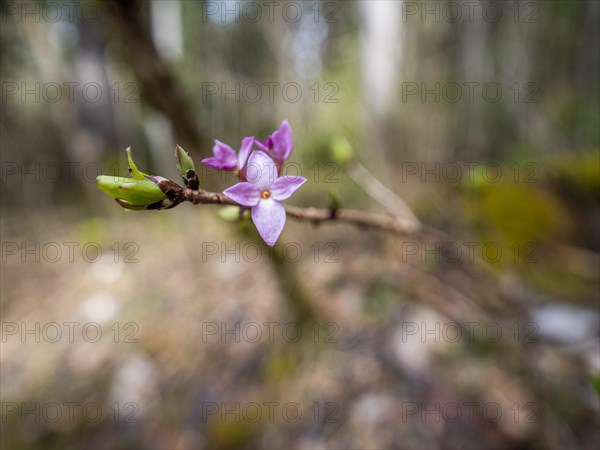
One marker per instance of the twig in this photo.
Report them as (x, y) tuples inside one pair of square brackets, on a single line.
[(358, 218), (318, 215)]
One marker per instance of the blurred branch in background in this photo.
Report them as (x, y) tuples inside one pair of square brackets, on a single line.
[(380, 193)]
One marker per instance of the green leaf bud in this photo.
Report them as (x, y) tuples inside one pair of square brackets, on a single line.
[(133, 191), (186, 168)]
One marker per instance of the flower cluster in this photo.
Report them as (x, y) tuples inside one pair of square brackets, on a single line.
[(262, 188), (257, 164)]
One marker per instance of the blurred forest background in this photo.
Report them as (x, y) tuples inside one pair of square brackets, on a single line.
[(482, 117)]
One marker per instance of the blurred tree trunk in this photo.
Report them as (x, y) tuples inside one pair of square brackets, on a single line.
[(157, 83)]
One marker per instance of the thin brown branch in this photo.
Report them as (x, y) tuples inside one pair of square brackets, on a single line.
[(358, 218), (362, 219), (202, 197)]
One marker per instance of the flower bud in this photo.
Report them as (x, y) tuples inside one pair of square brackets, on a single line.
[(230, 213), (132, 193), (342, 151), (334, 200), (186, 168), (184, 161)]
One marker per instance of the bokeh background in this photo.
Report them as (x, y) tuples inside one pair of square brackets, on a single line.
[(180, 329)]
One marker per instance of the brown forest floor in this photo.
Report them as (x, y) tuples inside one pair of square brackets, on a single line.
[(378, 363)]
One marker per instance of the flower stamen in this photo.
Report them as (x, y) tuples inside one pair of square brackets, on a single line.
[(265, 195)]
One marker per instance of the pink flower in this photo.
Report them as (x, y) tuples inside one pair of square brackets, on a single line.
[(280, 144), (263, 193), (225, 157)]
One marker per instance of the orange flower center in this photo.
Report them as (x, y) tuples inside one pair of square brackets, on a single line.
[(265, 195)]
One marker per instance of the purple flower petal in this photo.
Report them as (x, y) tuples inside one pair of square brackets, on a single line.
[(283, 142), (213, 163), (269, 217), (264, 146), (222, 151), (261, 170), (246, 194), (245, 150), (225, 154), (284, 187)]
